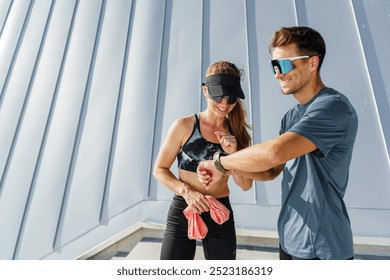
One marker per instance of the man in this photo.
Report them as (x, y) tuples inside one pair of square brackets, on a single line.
[(313, 150)]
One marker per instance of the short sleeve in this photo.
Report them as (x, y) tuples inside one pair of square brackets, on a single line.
[(325, 122)]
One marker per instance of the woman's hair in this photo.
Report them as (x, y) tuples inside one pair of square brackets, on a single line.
[(237, 117), (307, 41)]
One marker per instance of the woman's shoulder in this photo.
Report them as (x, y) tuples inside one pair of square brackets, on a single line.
[(187, 121), (183, 125)]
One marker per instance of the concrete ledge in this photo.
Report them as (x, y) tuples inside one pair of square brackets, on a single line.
[(123, 243), (372, 246)]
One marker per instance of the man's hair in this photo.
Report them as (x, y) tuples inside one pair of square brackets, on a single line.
[(307, 41)]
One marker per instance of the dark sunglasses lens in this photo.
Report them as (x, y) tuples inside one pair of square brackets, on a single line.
[(282, 65), (275, 66), (229, 99), (217, 98)]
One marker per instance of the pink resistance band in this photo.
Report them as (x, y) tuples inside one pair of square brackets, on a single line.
[(197, 229)]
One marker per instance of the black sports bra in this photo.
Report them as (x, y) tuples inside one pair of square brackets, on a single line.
[(196, 149)]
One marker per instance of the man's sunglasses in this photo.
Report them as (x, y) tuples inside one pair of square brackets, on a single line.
[(229, 99), (286, 65)]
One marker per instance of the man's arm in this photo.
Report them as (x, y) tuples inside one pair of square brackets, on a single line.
[(269, 154), (263, 157), (267, 175)]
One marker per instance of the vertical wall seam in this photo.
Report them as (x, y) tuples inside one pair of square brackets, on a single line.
[(249, 74), (114, 137), (3, 175), (80, 126), (300, 12), (15, 55), (20, 121), (248, 57), (6, 18), (206, 61), (153, 195), (21, 116), (202, 63)]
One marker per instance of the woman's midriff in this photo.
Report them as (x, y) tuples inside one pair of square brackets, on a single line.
[(218, 190)]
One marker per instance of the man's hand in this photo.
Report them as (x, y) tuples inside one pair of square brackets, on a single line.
[(208, 174)]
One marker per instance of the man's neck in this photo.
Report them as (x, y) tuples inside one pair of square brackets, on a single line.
[(307, 94)]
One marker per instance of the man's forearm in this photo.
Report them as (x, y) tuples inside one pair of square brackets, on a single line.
[(267, 175), (256, 158)]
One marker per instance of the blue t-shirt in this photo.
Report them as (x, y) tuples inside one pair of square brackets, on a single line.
[(313, 222)]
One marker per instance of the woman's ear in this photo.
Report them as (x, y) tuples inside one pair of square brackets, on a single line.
[(204, 89)]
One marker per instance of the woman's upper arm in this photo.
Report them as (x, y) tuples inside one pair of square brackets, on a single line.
[(171, 144)]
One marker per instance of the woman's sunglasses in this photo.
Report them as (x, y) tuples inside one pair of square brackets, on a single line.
[(286, 65), (229, 99), (218, 99)]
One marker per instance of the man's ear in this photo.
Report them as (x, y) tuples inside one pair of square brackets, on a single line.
[(315, 61)]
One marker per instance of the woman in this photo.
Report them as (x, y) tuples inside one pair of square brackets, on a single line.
[(221, 127)]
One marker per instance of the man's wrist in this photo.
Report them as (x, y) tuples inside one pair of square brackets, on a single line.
[(217, 162)]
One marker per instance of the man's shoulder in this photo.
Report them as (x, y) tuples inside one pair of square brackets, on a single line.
[(331, 95), (328, 94), (331, 98)]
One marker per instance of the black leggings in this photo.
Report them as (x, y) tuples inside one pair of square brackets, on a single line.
[(219, 244)]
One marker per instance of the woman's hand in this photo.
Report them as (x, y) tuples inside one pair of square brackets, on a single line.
[(227, 141), (208, 174), (195, 200)]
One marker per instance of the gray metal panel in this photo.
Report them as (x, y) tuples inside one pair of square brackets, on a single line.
[(179, 85), (93, 238), (133, 147), (90, 159), (354, 82), (377, 17), (14, 191), (89, 89), (68, 117), (5, 7), (40, 222), (11, 37), (266, 99), (228, 40), (15, 87), (98, 145)]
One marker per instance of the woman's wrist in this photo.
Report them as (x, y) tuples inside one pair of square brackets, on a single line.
[(184, 190)]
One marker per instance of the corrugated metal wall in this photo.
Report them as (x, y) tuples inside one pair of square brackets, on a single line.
[(89, 88)]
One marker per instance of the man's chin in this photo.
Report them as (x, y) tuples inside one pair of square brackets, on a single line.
[(285, 92)]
